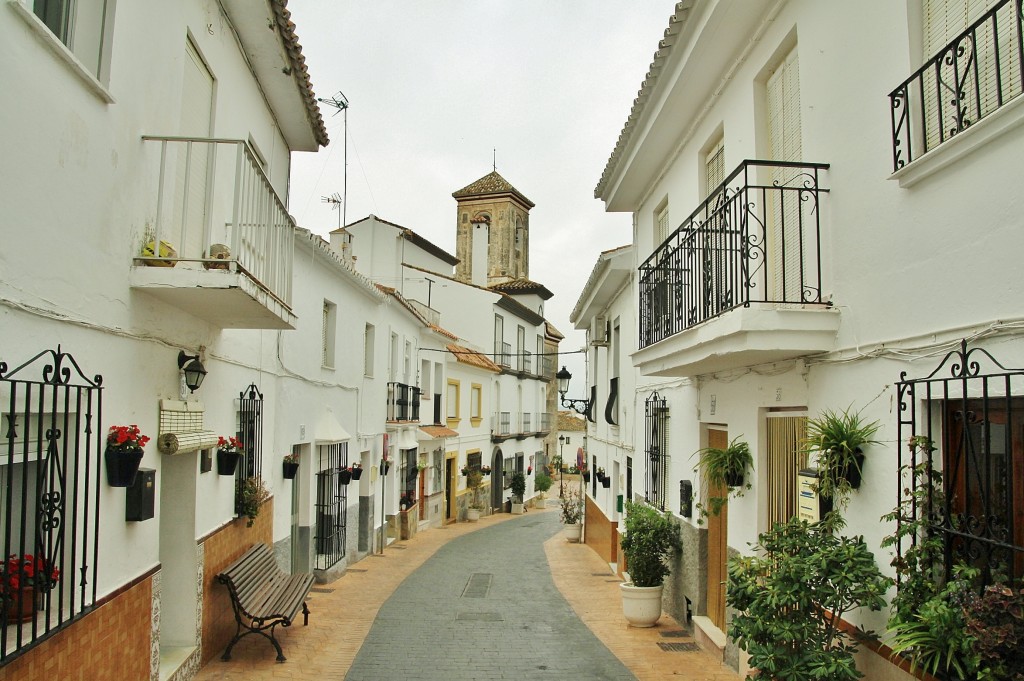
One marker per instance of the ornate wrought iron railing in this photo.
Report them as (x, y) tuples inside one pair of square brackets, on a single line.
[(756, 239), (966, 420), (214, 192), (403, 402), (970, 78), (331, 506), (49, 496), (656, 450)]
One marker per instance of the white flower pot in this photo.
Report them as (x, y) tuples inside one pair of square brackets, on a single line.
[(472, 514), (572, 531), (540, 503), (517, 509), (641, 605)]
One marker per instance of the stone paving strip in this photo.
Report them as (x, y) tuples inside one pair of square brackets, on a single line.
[(343, 613)]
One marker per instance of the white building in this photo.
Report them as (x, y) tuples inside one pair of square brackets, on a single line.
[(125, 125), (835, 270)]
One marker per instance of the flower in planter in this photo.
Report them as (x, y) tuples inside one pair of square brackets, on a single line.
[(249, 499), (27, 571), (486, 470), (289, 458), (124, 438), (229, 444)]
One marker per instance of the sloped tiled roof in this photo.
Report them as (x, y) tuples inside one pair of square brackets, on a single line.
[(473, 358), (680, 13), (444, 332), (299, 70), (491, 183), (408, 235), (568, 420), (438, 432), (514, 286)]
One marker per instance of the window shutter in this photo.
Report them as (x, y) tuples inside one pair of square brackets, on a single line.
[(784, 461), (784, 144)]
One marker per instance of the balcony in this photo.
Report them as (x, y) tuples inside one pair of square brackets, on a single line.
[(973, 77), (403, 402), (739, 283), (231, 234), (501, 426), (503, 352), (543, 423)]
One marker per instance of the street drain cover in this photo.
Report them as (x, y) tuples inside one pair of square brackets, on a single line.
[(679, 647), (480, 616), (356, 570), (321, 590), (678, 633), (478, 585)]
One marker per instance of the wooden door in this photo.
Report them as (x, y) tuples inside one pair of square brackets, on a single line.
[(718, 547), (423, 494)]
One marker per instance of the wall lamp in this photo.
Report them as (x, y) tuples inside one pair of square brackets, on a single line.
[(193, 370), (579, 406)]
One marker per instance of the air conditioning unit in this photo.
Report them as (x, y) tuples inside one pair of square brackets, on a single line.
[(599, 330)]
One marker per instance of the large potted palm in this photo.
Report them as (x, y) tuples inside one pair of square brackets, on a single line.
[(649, 540), (838, 440)]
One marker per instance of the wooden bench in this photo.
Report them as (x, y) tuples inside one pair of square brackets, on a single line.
[(264, 596)]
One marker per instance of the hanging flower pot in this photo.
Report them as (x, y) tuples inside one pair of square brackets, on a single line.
[(229, 450), (344, 475), (586, 476), (384, 467), (123, 454), (290, 469), (606, 482), (357, 471), (734, 479)]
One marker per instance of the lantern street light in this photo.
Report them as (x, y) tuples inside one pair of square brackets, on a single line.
[(579, 406), (193, 370)]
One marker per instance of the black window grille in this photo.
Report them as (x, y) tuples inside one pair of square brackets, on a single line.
[(966, 419), (410, 474), (591, 404), (656, 450), (331, 506), (250, 432), (611, 408), (473, 460), (629, 478), (49, 496)]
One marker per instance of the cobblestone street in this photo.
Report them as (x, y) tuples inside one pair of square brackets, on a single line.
[(504, 598)]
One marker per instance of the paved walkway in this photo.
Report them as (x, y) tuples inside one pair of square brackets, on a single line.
[(504, 598)]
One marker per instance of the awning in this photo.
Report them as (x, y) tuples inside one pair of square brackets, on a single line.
[(328, 431), (436, 432)]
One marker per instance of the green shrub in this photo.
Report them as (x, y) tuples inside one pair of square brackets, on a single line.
[(650, 538), (542, 482), (518, 485)]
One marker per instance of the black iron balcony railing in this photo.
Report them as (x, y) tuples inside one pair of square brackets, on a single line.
[(970, 78), (755, 240), (403, 402)]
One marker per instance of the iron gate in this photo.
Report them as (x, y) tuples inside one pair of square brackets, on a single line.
[(331, 506), (49, 494), (966, 419), (656, 413)]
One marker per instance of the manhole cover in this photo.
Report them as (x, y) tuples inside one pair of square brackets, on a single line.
[(321, 590), (356, 570), (678, 633), (399, 547), (679, 647), (480, 617), (478, 585)]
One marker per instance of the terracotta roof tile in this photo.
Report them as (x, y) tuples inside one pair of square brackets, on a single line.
[(299, 70), (473, 358), (439, 431), (491, 183), (522, 286)]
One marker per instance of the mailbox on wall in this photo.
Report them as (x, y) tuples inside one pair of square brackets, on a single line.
[(140, 497), (810, 506)]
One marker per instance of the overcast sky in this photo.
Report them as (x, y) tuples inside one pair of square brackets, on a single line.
[(435, 86)]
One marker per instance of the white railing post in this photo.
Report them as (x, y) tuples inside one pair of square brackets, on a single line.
[(236, 240), (158, 232)]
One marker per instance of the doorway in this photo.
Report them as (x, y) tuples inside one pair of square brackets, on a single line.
[(718, 547), (449, 490), (497, 488)]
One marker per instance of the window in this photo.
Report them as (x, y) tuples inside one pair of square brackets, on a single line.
[(714, 167), (453, 401), (476, 393), (425, 375), (329, 333), (521, 348), (83, 29), (784, 459), (656, 450), (499, 341), (473, 460), (331, 506), (368, 342)]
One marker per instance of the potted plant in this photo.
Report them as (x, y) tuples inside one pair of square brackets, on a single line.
[(724, 468), (385, 466), (290, 466), (357, 471), (21, 580), (485, 470), (229, 450), (123, 454), (474, 482), (250, 497), (518, 486), (649, 540), (585, 473), (837, 439), (542, 483), (572, 513), (344, 475)]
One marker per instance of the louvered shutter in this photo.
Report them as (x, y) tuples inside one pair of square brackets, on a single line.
[(784, 144)]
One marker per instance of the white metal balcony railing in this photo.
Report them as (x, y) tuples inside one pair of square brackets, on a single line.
[(214, 193), (526, 424), (501, 423)]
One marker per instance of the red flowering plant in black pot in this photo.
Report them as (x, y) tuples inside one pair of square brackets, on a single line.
[(21, 578), (229, 450), (123, 454)]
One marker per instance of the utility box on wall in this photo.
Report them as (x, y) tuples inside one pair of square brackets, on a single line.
[(810, 507), (140, 497)]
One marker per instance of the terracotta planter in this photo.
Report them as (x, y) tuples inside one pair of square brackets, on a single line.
[(357, 473), (290, 469), (227, 460), (122, 465), (23, 605)]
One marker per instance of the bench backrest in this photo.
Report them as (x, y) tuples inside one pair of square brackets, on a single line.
[(261, 589)]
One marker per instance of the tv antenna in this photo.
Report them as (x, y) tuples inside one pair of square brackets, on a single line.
[(339, 102), (336, 204)]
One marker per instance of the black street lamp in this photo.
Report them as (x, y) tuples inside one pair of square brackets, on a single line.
[(579, 406), (561, 465)]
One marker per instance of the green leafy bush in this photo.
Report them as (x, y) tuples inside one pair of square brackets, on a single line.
[(792, 595), (518, 486), (650, 538), (995, 622), (542, 482)]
